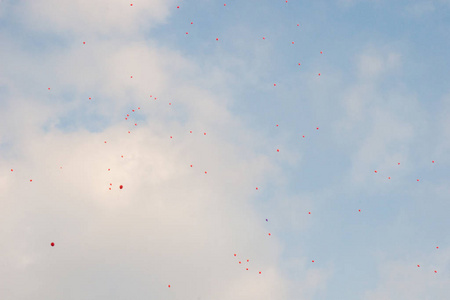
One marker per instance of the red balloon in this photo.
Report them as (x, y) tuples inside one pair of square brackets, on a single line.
[(52, 244), (121, 187)]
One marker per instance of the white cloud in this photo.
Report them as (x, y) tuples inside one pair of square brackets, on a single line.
[(170, 224), (89, 18)]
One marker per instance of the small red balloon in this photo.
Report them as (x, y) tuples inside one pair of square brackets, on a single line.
[(121, 187), (52, 244), (169, 285), (235, 254), (259, 272)]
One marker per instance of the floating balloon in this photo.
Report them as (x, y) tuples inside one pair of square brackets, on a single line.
[(52, 244), (121, 187), (235, 254)]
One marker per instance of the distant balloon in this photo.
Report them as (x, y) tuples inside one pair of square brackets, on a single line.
[(267, 220), (52, 244), (121, 187)]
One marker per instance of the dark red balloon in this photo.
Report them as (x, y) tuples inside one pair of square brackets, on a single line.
[(121, 187), (52, 244)]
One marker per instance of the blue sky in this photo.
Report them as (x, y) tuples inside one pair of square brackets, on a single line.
[(381, 99)]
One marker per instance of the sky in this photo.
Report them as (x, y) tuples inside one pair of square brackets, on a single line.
[(226, 150)]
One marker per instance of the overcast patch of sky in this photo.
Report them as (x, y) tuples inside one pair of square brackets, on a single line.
[(383, 80)]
